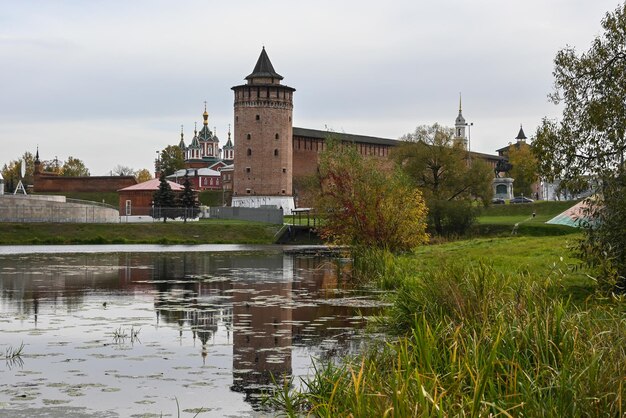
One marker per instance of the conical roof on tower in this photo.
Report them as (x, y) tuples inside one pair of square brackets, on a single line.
[(181, 144), (264, 68), (229, 143), (520, 135)]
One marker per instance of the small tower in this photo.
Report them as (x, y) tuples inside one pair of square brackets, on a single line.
[(459, 126), (229, 150), (194, 150), (209, 143), (181, 144), (521, 136), (263, 138), (38, 168)]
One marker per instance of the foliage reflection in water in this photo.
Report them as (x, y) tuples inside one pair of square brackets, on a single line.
[(128, 334)]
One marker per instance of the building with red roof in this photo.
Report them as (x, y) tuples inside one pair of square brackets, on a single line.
[(138, 198)]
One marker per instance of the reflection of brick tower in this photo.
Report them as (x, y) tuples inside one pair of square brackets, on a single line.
[(263, 139), (262, 325)]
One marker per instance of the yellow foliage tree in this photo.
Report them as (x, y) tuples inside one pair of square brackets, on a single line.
[(524, 169), (143, 175), (367, 204)]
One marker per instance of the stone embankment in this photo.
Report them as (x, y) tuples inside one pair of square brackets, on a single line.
[(42, 208)]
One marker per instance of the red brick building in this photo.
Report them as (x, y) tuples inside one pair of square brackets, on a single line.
[(138, 199), (200, 178)]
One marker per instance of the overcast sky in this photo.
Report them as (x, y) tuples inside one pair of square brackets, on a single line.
[(111, 82)]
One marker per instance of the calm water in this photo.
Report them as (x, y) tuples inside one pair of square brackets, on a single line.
[(130, 332)]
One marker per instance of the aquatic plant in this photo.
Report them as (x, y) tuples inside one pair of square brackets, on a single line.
[(13, 356), (12, 352), (120, 335)]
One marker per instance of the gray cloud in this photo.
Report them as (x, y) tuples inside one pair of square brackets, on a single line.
[(111, 82)]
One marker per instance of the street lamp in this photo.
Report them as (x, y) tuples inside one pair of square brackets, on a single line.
[(469, 139), (157, 164)]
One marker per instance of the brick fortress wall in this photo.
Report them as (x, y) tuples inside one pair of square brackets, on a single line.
[(51, 183)]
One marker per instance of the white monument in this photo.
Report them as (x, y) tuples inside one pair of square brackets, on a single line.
[(20, 186)]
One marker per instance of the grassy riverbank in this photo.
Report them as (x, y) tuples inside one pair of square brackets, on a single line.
[(202, 232), (494, 326)]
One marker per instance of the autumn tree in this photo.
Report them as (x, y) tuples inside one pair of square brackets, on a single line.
[(524, 169), (590, 140), (122, 170), (143, 175), (449, 180), (74, 167), (171, 160), (366, 204)]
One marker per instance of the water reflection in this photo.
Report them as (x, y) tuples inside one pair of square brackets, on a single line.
[(245, 316)]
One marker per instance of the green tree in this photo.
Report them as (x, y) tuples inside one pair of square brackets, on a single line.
[(366, 204), (171, 160), (590, 141), (143, 175), (164, 200), (524, 169), (189, 200), (74, 167), (449, 180)]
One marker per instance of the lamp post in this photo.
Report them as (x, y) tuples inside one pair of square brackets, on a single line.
[(157, 164), (469, 140)]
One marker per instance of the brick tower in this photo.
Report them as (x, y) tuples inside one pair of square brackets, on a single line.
[(263, 139)]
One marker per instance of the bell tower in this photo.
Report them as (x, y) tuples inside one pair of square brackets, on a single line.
[(263, 139), (459, 127)]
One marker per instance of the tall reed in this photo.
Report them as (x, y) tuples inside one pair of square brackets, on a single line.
[(474, 342)]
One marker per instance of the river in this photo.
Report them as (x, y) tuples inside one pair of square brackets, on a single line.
[(153, 330)]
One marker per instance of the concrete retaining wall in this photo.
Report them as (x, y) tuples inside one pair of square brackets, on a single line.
[(36, 208), (274, 216)]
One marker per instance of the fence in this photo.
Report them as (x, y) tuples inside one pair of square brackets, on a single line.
[(270, 215)]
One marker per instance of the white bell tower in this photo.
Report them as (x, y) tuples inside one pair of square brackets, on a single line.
[(459, 126)]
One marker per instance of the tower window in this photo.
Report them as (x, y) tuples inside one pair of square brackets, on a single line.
[(247, 169), (249, 152), (283, 191), (276, 153), (236, 118), (248, 191), (276, 136), (258, 117), (248, 136), (284, 170)]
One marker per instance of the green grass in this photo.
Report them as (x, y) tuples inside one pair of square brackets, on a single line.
[(506, 255), (110, 198), (484, 327), (541, 207), (501, 220), (211, 198), (210, 231)]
